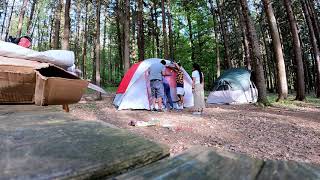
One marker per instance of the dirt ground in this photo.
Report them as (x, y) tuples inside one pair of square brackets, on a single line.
[(267, 133)]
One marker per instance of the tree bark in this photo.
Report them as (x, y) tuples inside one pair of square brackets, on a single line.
[(66, 32), (193, 58), (256, 55), (164, 29), (297, 51), (4, 17), (57, 19), (31, 17), (313, 16), (227, 60), (245, 41), (216, 37), (156, 28), (21, 17), (140, 34), (77, 39), (9, 20), (97, 47), (171, 48), (126, 28), (119, 21), (84, 48), (315, 48), (281, 70)]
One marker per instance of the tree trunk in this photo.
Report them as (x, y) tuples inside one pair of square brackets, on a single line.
[(164, 29), (21, 17), (297, 51), (140, 34), (119, 20), (4, 17), (66, 32), (157, 29), (313, 16), (256, 54), (224, 34), (216, 29), (84, 48), (126, 29), (245, 41), (315, 48), (104, 57), (281, 70), (97, 47), (57, 18), (77, 39), (31, 17), (9, 20), (191, 37), (171, 49)]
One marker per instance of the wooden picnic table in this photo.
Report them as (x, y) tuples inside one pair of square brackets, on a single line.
[(45, 143)]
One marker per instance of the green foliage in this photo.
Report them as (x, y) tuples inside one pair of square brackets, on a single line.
[(291, 103)]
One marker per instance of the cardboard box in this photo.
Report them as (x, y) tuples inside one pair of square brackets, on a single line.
[(23, 81), (55, 86)]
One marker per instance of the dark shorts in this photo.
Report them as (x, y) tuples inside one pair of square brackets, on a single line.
[(157, 90)]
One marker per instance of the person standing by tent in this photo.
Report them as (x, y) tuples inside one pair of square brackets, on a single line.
[(198, 89), (167, 92), (180, 84), (156, 71)]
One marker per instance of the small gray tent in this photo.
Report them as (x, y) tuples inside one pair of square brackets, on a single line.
[(234, 86)]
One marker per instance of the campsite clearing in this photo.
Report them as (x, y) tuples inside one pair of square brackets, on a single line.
[(284, 132)]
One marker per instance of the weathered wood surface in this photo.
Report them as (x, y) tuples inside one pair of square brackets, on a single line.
[(204, 163), (43, 143)]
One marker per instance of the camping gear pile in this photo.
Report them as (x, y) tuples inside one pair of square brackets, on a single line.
[(134, 89), (234, 86), (42, 78)]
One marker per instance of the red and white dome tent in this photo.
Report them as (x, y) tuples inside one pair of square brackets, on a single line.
[(134, 90)]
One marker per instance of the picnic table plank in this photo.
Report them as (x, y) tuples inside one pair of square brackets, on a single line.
[(53, 145), (206, 163)]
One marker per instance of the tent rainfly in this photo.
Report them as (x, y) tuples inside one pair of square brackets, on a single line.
[(134, 90)]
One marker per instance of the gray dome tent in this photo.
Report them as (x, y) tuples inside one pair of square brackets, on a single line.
[(234, 86)]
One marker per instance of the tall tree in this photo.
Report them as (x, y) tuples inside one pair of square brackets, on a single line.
[(223, 25), (189, 21), (216, 37), (97, 47), (6, 4), (85, 39), (126, 38), (297, 51), (21, 17), (66, 31), (164, 30), (171, 48), (245, 40), (140, 34), (256, 54), (57, 19), (281, 71), (9, 20), (31, 17), (315, 48), (77, 39)]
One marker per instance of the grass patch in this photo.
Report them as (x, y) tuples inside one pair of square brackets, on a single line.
[(291, 103)]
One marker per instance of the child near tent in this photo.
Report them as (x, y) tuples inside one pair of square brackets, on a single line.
[(180, 84)]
